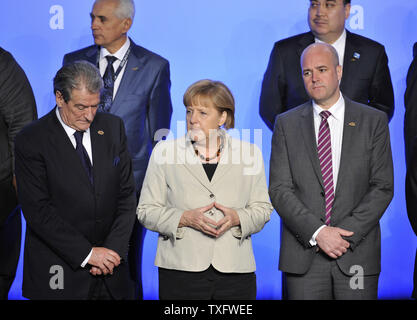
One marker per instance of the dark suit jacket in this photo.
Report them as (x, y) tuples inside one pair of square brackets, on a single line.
[(66, 216), (365, 79), (410, 103), (143, 101), (410, 134), (17, 108), (364, 186)]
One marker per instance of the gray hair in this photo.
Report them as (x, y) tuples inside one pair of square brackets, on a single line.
[(125, 9), (77, 75)]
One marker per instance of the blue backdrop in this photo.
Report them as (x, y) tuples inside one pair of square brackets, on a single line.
[(227, 40)]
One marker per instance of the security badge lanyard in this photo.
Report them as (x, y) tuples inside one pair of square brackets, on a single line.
[(121, 65)]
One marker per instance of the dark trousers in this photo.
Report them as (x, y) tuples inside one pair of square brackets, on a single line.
[(325, 281), (10, 237), (99, 290), (135, 258), (206, 285)]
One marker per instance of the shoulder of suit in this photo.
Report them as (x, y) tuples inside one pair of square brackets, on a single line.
[(141, 51), (364, 109), (295, 112), (81, 52), (293, 40), (363, 41), (36, 128)]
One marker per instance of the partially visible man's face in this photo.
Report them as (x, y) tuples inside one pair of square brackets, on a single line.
[(79, 112), (108, 30), (326, 18), (321, 76)]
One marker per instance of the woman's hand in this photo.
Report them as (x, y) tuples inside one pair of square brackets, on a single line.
[(196, 219), (231, 219)]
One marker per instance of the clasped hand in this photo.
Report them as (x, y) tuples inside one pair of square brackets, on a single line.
[(198, 220), (103, 261), (331, 242)]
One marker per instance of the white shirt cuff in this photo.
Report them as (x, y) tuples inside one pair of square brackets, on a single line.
[(313, 241), (86, 259)]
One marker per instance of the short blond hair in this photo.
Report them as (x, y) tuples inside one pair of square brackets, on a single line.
[(214, 93)]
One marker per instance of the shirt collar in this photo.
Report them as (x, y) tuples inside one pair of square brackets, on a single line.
[(337, 110), (70, 131), (119, 54), (340, 41)]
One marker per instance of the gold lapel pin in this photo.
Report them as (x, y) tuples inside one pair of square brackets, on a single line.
[(100, 132), (352, 124), (135, 68)]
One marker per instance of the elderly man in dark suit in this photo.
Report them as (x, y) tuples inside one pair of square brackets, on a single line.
[(410, 134), (17, 108), (137, 89), (366, 77), (331, 179), (75, 183)]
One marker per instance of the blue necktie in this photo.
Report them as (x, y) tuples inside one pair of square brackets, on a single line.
[(108, 79), (82, 153)]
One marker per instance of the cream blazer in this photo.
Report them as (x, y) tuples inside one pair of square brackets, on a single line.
[(175, 181)]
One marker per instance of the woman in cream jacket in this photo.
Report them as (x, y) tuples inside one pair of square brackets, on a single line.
[(205, 194)]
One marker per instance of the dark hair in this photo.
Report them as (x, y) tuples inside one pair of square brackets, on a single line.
[(76, 76), (345, 2)]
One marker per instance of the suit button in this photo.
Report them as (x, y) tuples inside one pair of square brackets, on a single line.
[(211, 195)]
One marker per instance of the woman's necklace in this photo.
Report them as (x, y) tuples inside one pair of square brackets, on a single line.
[(207, 159)]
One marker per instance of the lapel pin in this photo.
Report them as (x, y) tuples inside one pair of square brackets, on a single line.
[(135, 68), (356, 56), (352, 124), (100, 132)]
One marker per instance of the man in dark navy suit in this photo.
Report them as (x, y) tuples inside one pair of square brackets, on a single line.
[(75, 184), (366, 77), (137, 89)]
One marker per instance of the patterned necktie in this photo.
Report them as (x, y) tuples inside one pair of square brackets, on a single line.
[(82, 153), (324, 148), (108, 79)]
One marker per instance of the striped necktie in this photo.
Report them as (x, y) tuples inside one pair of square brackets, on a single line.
[(108, 80), (324, 148)]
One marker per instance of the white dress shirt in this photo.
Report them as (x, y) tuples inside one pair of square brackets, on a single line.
[(339, 45), (119, 54), (335, 121), (87, 145)]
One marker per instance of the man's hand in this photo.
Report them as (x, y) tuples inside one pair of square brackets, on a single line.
[(231, 219), (103, 261), (196, 219), (331, 242)]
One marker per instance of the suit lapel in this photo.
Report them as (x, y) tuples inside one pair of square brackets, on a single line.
[(98, 147), (187, 157), (304, 42), (134, 65), (351, 63), (348, 144), (309, 136), (92, 55), (225, 162), (59, 140)]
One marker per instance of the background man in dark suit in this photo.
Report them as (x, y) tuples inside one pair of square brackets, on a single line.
[(410, 134), (366, 77), (139, 94), (331, 187), (76, 187), (17, 108)]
